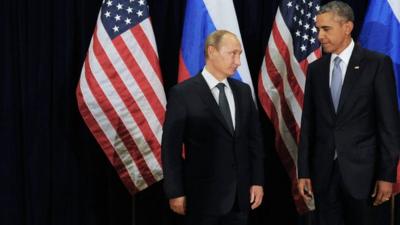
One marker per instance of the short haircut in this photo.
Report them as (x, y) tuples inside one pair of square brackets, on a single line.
[(214, 39), (338, 8)]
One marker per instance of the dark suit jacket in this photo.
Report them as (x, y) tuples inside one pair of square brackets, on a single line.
[(364, 131), (219, 166)]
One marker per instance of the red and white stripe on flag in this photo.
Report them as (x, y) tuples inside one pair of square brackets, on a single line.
[(120, 93), (291, 47), (396, 187)]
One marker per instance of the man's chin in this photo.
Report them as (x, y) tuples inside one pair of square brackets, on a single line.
[(231, 73), (326, 49)]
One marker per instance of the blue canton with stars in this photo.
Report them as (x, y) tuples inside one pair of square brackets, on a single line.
[(300, 16), (119, 16)]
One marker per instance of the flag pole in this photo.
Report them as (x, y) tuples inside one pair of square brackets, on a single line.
[(133, 210), (392, 211)]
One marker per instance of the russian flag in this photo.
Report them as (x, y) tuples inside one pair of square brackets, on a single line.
[(203, 17), (381, 32)]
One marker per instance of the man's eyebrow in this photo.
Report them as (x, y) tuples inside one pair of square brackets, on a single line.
[(326, 26)]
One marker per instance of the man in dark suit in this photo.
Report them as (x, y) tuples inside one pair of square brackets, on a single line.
[(220, 175), (350, 125)]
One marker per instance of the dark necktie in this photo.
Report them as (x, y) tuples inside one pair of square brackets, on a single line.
[(224, 105)]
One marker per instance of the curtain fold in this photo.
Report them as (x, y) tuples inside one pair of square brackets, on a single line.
[(52, 171)]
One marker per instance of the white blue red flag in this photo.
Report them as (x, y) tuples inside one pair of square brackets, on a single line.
[(381, 32), (120, 94), (291, 47), (203, 17)]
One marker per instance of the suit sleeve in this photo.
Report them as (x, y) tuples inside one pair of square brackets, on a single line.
[(307, 129), (255, 144), (171, 147), (387, 121)]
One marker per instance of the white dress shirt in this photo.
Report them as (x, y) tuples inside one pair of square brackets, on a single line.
[(345, 57), (212, 84)]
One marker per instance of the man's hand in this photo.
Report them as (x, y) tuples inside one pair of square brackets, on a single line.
[(305, 189), (178, 205), (256, 196), (382, 192)]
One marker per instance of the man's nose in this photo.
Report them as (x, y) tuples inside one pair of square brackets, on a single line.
[(237, 60), (321, 36)]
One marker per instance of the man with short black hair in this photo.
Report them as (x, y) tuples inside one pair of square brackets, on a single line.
[(350, 125)]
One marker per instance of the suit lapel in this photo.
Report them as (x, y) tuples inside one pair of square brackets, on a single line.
[(352, 74), (209, 100), (235, 91), (325, 81)]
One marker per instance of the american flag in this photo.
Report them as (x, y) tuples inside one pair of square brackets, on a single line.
[(291, 47), (120, 93), (396, 186)]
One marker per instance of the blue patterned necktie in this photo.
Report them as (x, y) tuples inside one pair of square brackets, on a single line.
[(336, 83), (224, 106)]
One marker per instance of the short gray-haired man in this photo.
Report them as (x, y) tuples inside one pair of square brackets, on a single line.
[(215, 117)]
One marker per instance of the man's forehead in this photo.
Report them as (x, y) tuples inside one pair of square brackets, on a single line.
[(329, 17), (326, 15), (229, 38)]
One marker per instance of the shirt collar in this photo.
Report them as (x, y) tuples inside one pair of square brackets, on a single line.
[(345, 54), (211, 80)]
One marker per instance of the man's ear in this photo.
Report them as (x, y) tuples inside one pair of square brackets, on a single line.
[(211, 51), (349, 27)]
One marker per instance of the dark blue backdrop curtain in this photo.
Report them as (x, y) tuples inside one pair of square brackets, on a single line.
[(51, 169)]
